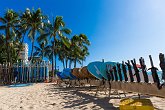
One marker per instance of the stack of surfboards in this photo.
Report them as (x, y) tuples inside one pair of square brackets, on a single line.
[(93, 70), (112, 71), (98, 70)]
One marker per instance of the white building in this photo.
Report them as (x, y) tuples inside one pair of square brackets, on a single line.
[(23, 55)]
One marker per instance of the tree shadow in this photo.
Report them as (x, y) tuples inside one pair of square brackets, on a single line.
[(80, 97), (84, 99)]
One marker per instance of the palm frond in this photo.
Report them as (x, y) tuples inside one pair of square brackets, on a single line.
[(42, 37), (66, 41), (37, 48), (3, 20), (2, 27), (66, 31), (36, 53)]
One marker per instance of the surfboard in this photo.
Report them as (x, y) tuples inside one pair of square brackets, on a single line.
[(116, 70), (81, 75), (136, 70), (68, 74), (119, 70), (154, 73), (86, 73), (124, 69), (130, 71), (144, 69), (75, 72), (97, 69), (60, 75)]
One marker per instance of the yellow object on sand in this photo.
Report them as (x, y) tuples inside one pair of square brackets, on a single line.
[(136, 104)]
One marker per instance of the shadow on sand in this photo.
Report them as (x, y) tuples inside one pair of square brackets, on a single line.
[(86, 99), (77, 99), (80, 97)]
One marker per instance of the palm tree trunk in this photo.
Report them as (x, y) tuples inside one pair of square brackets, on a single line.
[(7, 46), (75, 63), (7, 50), (66, 62), (55, 54), (9, 59), (63, 64), (82, 63), (70, 64), (18, 52), (52, 66), (31, 56), (55, 63)]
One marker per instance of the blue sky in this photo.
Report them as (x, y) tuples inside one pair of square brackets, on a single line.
[(118, 29)]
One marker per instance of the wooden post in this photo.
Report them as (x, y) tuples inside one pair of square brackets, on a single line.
[(47, 72), (38, 74), (1, 74), (6, 72), (44, 70), (17, 65), (30, 72), (36, 71), (23, 71)]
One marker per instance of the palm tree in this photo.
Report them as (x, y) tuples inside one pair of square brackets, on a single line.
[(74, 50), (3, 53), (42, 50), (84, 54), (61, 54), (33, 22), (56, 29), (14, 47), (9, 24), (64, 53), (79, 49)]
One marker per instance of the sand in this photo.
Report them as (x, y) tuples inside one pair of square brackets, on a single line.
[(47, 96)]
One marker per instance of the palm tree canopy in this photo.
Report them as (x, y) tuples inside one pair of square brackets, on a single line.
[(52, 38)]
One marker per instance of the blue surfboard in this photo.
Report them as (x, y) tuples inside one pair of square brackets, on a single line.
[(97, 69), (60, 75), (68, 74), (110, 65)]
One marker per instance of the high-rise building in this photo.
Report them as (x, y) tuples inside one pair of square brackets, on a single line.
[(23, 55)]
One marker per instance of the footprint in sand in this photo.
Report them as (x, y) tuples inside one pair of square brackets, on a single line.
[(31, 107), (53, 104), (21, 108)]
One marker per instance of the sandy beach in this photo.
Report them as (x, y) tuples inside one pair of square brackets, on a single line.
[(47, 96)]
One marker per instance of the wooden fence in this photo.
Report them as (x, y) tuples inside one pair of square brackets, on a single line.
[(24, 72)]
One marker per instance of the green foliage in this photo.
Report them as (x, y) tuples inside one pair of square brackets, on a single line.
[(33, 21), (52, 38)]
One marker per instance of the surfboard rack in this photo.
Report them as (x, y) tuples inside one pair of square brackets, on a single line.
[(141, 84), (136, 70), (144, 69), (154, 73), (162, 66)]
